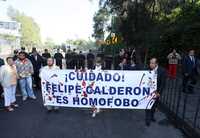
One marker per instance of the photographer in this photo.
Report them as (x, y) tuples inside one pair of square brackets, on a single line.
[(173, 59)]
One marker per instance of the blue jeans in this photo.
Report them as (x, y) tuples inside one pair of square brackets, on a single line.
[(26, 86)]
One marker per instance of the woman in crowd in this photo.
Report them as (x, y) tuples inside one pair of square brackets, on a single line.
[(8, 79)]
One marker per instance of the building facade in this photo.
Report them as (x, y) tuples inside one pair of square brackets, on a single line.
[(9, 36)]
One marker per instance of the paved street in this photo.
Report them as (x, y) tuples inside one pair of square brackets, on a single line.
[(30, 120)]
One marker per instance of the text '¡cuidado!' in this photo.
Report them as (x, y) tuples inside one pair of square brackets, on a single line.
[(91, 76)]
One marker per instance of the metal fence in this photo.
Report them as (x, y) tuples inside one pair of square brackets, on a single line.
[(182, 108)]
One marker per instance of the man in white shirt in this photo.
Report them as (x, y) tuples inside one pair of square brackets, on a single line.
[(50, 66)]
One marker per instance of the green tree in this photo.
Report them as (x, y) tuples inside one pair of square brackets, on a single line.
[(49, 43), (30, 30), (156, 26), (82, 44), (100, 19)]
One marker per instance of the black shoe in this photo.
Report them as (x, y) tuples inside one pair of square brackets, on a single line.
[(148, 124), (153, 120), (56, 110), (49, 111)]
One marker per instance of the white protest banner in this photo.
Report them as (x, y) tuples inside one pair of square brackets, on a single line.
[(103, 89)]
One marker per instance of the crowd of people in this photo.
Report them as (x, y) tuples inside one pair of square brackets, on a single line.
[(22, 71)]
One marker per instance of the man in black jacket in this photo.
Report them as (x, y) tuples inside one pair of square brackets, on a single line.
[(189, 71), (45, 56), (37, 61), (68, 59), (161, 77), (90, 60), (74, 59), (81, 60), (58, 57)]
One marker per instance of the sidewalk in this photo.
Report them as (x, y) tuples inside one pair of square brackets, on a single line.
[(184, 108)]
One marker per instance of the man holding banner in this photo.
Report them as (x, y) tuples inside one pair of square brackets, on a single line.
[(98, 67), (109, 89), (161, 76), (50, 67)]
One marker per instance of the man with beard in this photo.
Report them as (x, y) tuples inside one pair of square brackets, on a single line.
[(68, 59), (25, 70), (50, 66)]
